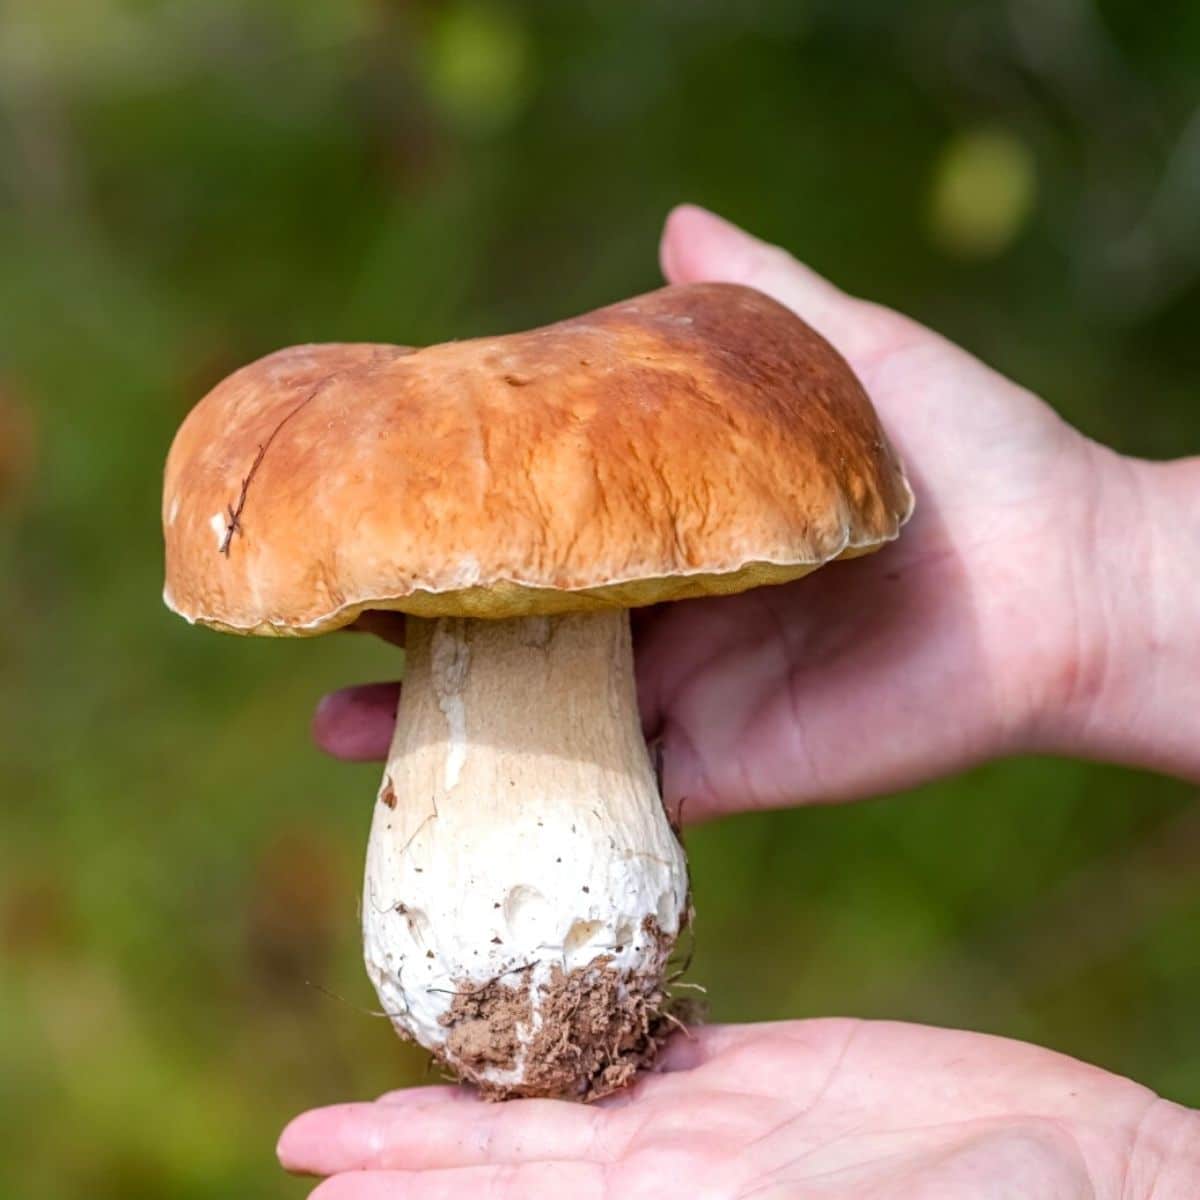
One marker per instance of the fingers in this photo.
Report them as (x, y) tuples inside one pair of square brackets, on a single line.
[(386, 625), (356, 723), (715, 639), (445, 1133), (578, 1181), (435, 1128), (698, 245)]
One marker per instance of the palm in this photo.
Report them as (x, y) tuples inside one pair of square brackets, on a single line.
[(761, 699), (823, 1109)]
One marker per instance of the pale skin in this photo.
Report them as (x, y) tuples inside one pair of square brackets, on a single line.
[(1040, 600)]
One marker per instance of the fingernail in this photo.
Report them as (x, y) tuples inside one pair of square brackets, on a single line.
[(285, 1149)]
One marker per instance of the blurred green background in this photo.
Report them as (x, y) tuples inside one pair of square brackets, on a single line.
[(187, 184)]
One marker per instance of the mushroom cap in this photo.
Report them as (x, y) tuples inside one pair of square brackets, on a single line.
[(699, 439)]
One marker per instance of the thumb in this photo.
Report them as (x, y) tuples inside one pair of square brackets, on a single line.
[(356, 723), (698, 246)]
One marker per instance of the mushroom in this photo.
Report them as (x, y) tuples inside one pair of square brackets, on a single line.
[(514, 496)]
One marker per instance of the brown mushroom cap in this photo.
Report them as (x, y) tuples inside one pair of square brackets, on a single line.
[(699, 439)]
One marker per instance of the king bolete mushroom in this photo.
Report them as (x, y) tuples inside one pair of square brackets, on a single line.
[(515, 496)]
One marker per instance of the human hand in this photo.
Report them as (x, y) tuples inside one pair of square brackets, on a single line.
[(836, 1109), (1038, 601)]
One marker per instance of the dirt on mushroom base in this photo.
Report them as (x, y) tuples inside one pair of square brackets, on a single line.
[(596, 1030)]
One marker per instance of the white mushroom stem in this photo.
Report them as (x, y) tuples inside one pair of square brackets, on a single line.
[(519, 839)]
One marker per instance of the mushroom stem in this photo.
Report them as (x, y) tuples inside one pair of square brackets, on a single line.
[(523, 886)]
